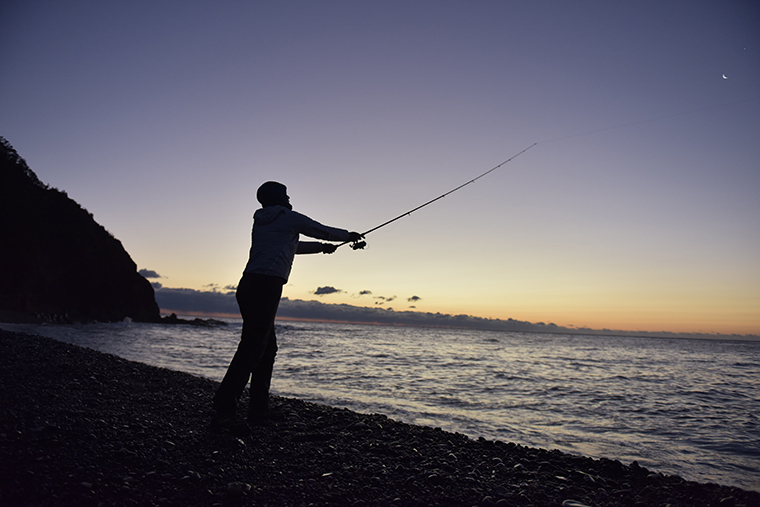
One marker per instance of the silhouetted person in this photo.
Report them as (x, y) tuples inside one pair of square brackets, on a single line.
[(274, 243)]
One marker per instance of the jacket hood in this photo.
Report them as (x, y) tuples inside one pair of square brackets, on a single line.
[(265, 215)]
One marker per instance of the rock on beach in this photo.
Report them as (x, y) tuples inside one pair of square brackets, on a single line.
[(80, 427)]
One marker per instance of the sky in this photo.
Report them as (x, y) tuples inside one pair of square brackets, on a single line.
[(637, 209)]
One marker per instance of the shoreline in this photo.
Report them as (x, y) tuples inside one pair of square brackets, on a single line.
[(81, 427)]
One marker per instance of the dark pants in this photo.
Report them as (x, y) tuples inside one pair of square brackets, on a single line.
[(258, 297)]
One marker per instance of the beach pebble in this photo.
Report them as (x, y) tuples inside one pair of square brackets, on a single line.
[(238, 488), (487, 501), (500, 491), (573, 503), (191, 476)]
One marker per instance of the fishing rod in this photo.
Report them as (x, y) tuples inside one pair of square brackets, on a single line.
[(359, 245)]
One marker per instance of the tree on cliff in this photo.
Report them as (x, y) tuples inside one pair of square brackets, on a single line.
[(56, 262)]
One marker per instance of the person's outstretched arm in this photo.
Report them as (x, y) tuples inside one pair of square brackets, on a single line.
[(312, 247)]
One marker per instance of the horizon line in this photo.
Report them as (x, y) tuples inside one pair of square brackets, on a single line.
[(558, 330)]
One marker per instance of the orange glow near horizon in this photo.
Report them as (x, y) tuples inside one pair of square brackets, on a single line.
[(625, 322)]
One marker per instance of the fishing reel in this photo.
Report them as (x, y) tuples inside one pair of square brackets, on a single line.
[(358, 245)]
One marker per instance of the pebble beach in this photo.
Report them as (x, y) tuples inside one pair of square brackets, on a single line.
[(80, 427)]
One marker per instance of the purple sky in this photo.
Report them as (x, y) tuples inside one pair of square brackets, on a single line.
[(162, 118)]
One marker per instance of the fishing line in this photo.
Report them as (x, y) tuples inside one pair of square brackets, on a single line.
[(360, 245)]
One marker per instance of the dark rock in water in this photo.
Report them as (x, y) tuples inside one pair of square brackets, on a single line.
[(57, 264), (173, 319)]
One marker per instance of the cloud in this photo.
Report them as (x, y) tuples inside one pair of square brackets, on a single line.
[(209, 302), (231, 288), (413, 299), (156, 285), (191, 300), (149, 273), (321, 291), (384, 299), (317, 310), (213, 286), (365, 293)]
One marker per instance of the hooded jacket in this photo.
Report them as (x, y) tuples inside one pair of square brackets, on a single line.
[(274, 240)]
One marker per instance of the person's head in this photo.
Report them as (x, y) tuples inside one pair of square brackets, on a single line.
[(272, 193)]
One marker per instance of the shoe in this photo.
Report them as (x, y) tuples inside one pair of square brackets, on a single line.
[(230, 425)]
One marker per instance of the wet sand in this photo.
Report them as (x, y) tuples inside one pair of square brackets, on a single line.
[(79, 427)]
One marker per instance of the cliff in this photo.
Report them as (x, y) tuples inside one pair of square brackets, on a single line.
[(57, 264)]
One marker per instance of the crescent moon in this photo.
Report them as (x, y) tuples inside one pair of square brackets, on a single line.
[(724, 76)]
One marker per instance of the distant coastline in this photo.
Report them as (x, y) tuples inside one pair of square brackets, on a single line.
[(215, 304)]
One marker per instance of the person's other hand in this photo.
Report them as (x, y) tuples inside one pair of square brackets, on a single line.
[(328, 248), (354, 236)]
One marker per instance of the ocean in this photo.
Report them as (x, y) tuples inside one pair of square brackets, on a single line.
[(678, 406)]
